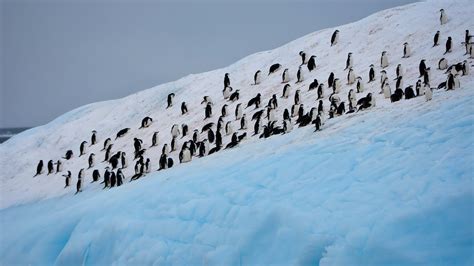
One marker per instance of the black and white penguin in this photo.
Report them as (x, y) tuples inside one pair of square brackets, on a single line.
[(226, 80), (146, 122), (450, 83), (427, 75), (68, 155), (443, 64), (82, 148), (184, 108), (286, 91), (465, 68), (297, 98), (59, 166), (243, 122), (285, 77), (371, 73), (113, 179), (443, 18), (211, 136), (147, 165), (170, 100), (106, 181), (257, 77), (359, 85), (107, 142), (273, 102), (224, 111), (122, 133), (409, 92), (173, 144), (91, 160), (436, 39), (449, 45), (303, 57), (80, 176), (419, 88), (399, 83), (320, 106), (238, 111), (120, 177), (226, 92), (218, 138), (256, 127), (68, 179), (184, 130), (331, 80), (107, 153), (336, 85), (123, 160), (154, 139), (208, 111), (255, 101), (196, 137), (312, 63), (348, 61), (175, 131), (95, 175), (384, 60), (234, 96), (163, 162), (50, 167), (228, 128), (94, 137), (313, 85), (422, 68), (428, 92), (335, 37), (274, 68), (207, 100), (351, 77), (286, 115), (406, 50), (299, 75), (39, 168), (137, 144), (399, 70), (320, 91)]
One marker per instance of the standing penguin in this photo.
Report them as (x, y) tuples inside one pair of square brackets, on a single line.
[(436, 39), (224, 111), (106, 143), (386, 90), (297, 97), (335, 37), (238, 111), (95, 175), (226, 80), (50, 167), (257, 77), (427, 75), (443, 64), (428, 92), (243, 122), (384, 60), (336, 85), (226, 92), (106, 177), (208, 111), (94, 137), (331, 80), (286, 91), (79, 181), (313, 85), (59, 166), (371, 73), (449, 45), (442, 17), (82, 148), (91, 160), (170, 100), (406, 50), (123, 160), (120, 177), (312, 63), (228, 128), (68, 179), (348, 61), (184, 108), (360, 85), (465, 68), (285, 78), (303, 57), (321, 91), (299, 75), (399, 70), (184, 129), (422, 68), (154, 139), (350, 77)]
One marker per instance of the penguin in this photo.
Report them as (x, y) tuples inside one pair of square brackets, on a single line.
[(211, 136), (147, 165), (218, 138), (39, 168), (113, 179), (170, 162), (383, 76), (449, 45), (120, 178), (68, 155), (348, 61), (352, 99), (185, 155), (123, 160), (383, 84), (175, 131), (93, 137), (287, 126), (467, 41), (91, 160), (335, 37), (154, 139), (170, 100), (257, 77), (226, 80), (173, 144), (341, 109), (50, 167), (286, 91), (299, 75), (226, 92), (163, 162), (208, 111), (285, 78), (206, 100), (399, 83), (351, 77), (196, 135), (442, 17), (256, 127), (146, 122), (312, 63), (234, 96), (137, 144), (428, 93), (254, 101), (238, 111), (106, 144), (184, 108), (450, 83), (234, 141), (320, 106), (331, 80), (436, 39), (79, 181), (422, 68), (427, 75), (465, 68), (82, 148), (336, 85), (457, 84), (399, 70), (271, 115), (224, 111), (122, 133), (184, 129), (384, 60), (59, 166), (386, 90), (303, 58), (297, 97), (95, 175), (419, 88), (371, 73), (273, 102), (107, 153), (274, 68), (286, 115), (228, 128), (359, 85), (409, 93), (406, 50), (317, 123), (243, 122), (294, 110), (257, 115), (68, 179), (443, 64), (313, 85), (106, 177)]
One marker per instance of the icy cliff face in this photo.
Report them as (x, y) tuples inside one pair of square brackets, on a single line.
[(393, 184)]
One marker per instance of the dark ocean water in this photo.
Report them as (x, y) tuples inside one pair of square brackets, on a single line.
[(6, 133)]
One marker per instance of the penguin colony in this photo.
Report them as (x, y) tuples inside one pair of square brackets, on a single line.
[(257, 116)]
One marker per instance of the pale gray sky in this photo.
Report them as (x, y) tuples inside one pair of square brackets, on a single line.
[(58, 55)]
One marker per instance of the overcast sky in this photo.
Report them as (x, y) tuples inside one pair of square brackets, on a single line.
[(58, 55)]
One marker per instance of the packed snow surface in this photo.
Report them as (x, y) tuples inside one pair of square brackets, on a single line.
[(389, 185)]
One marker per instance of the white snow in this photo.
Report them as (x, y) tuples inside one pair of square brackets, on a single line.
[(390, 185)]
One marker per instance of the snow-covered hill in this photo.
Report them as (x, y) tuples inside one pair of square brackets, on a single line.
[(393, 184)]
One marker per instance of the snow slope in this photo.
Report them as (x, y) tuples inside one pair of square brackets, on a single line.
[(390, 185)]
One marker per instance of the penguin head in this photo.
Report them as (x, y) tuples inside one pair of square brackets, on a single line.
[(94, 131), (301, 53), (405, 44), (441, 10), (371, 65)]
